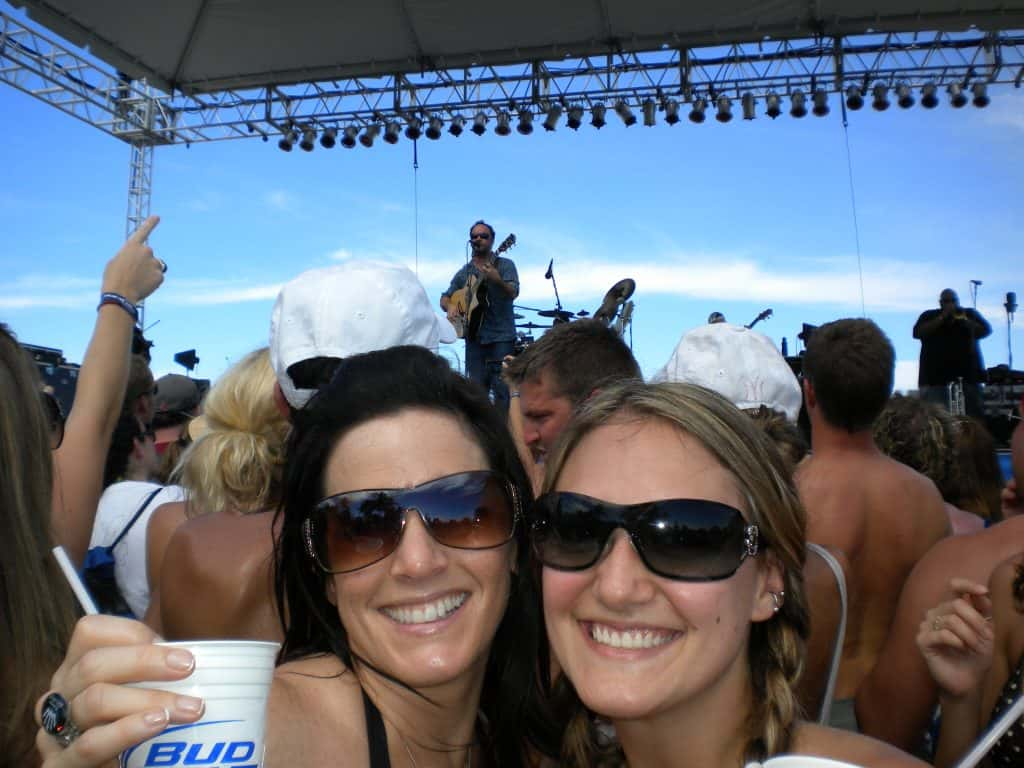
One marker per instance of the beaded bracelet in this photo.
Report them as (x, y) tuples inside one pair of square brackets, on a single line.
[(116, 298)]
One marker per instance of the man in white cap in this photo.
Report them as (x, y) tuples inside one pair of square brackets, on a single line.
[(327, 314)]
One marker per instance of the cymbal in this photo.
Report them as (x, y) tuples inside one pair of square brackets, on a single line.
[(614, 299), (531, 325), (517, 316), (561, 314)]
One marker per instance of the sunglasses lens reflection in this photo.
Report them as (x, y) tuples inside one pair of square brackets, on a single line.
[(470, 510)]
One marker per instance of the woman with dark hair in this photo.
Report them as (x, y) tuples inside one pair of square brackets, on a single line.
[(33, 632), (672, 543), (409, 638)]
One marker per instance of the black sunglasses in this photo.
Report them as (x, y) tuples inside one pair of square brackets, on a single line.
[(468, 510), (480, 236), (681, 539)]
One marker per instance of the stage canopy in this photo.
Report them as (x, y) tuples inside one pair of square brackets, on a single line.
[(203, 46)]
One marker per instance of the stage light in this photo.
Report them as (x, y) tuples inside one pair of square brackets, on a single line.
[(854, 98), (328, 137), (288, 140), (308, 140), (697, 111), (503, 129), (650, 112), (597, 115), (671, 111), (369, 134), (723, 109), (749, 105), (414, 128), (980, 91), (773, 105), (434, 126), (880, 97), (479, 123), (820, 99), (798, 104), (349, 136), (623, 111), (457, 125), (957, 97), (391, 131), (929, 96), (553, 116), (525, 126), (904, 96), (575, 119)]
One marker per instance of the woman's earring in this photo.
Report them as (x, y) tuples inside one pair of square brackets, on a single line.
[(777, 598)]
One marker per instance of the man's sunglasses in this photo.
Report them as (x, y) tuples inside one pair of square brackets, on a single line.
[(681, 539), (480, 236), (468, 510)]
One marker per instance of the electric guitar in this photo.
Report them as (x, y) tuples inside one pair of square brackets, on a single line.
[(466, 306), (763, 316)]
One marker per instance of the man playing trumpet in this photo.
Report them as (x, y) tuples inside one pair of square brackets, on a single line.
[(949, 352)]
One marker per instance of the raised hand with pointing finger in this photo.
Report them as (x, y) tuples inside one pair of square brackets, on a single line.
[(135, 272)]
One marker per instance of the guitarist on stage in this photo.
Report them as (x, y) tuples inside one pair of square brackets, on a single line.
[(498, 285)]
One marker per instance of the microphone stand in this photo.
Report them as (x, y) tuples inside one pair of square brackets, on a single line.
[(550, 275), (1011, 307)]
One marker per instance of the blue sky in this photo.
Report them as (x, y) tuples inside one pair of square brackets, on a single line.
[(737, 217)]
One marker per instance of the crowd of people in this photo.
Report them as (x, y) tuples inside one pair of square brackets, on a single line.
[(546, 562)]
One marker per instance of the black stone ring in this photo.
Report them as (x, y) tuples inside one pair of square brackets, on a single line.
[(163, 265), (57, 719)]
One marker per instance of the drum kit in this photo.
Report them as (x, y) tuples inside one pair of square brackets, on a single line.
[(616, 311)]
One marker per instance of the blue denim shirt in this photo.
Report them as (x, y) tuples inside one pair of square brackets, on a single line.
[(498, 324)]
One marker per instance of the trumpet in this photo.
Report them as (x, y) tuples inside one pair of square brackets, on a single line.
[(955, 402)]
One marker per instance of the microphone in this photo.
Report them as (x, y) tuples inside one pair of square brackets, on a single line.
[(1011, 302), (975, 282), (549, 274)]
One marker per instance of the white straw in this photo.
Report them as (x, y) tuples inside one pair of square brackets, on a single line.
[(991, 736), (84, 598)]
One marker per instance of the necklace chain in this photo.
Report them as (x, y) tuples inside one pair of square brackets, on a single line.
[(405, 743)]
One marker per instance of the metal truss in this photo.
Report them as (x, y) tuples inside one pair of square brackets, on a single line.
[(141, 116)]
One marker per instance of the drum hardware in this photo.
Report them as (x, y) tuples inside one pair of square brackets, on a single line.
[(955, 397), (531, 325), (614, 299)]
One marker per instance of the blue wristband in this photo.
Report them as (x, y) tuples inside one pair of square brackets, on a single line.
[(116, 298)]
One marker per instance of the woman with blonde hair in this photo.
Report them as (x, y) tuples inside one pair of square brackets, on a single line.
[(33, 632), (671, 541), (220, 540)]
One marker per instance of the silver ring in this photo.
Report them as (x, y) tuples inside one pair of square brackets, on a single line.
[(937, 623), (163, 265), (56, 717)]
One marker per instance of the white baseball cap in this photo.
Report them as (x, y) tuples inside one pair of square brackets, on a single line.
[(348, 309), (740, 364)]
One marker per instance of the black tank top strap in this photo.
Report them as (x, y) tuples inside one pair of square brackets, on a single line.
[(376, 735)]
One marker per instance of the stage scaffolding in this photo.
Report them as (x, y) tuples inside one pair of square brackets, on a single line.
[(555, 86)]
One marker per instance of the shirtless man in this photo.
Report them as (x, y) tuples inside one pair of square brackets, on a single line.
[(881, 514), (896, 700)]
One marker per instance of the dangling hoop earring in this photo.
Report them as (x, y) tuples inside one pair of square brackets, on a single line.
[(777, 598)]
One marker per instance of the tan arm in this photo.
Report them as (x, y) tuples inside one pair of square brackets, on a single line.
[(78, 464)]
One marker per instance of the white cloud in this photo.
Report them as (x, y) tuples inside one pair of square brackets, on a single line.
[(1005, 113), (341, 254), (905, 378), (279, 199)]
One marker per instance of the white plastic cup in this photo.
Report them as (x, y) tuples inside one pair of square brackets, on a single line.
[(801, 761), (233, 678)]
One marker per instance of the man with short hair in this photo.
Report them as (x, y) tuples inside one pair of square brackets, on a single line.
[(496, 280), (555, 375), (949, 352), (881, 514)]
